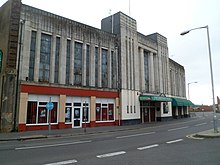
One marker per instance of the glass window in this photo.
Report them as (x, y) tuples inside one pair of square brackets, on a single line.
[(31, 112), (111, 111), (85, 113), (78, 64), (32, 56), (104, 68), (165, 108), (45, 52), (57, 55), (68, 112), (42, 115), (104, 112), (68, 62), (98, 112), (37, 113)]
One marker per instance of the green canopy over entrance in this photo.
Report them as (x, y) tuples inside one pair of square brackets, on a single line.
[(154, 98), (181, 102)]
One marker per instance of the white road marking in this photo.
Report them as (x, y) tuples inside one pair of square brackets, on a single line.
[(52, 145), (127, 136), (200, 124), (174, 129), (111, 154), (148, 147), (174, 141), (63, 162)]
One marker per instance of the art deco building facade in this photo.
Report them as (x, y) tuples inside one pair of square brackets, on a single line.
[(109, 76)]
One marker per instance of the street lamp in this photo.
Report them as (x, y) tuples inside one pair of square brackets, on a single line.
[(188, 87), (211, 72)]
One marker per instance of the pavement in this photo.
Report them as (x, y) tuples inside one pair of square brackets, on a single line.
[(40, 134)]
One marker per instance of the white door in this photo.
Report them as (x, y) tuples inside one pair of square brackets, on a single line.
[(77, 117)]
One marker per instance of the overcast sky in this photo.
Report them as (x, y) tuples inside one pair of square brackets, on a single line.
[(169, 18)]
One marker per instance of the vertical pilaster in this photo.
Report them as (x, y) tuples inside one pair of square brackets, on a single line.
[(109, 68), (100, 68), (26, 51), (84, 65), (160, 68), (151, 72), (62, 63), (37, 56), (142, 68), (72, 51), (128, 55), (92, 66), (92, 110), (52, 58), (61, 111), (22, 116)]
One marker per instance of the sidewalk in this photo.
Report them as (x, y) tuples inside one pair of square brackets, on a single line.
[(208, 134), (39, 134)]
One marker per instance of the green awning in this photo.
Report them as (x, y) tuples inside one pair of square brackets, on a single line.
[(154, 98), (181, 102)]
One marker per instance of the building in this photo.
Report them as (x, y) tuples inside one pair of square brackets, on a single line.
[(109, 76)]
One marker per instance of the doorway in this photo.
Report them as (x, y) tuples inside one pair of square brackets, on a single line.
[(77, 117)]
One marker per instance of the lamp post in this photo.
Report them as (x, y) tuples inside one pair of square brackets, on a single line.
[(211, 72), (188, 88)]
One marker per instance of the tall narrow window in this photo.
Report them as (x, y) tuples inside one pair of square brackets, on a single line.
[(78, 64), (96, 65), (57, 55), (32, 56), (104, 68), (45, 52), (146, 71), (114, 70), (87, 64), (68, 62)]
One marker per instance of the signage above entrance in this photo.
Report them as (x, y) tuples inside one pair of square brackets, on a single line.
[(154, 98)]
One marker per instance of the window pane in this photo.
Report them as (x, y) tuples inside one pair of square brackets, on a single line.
[(32, 56), (86, 113), (42, 115), (68, 112), (45, 52), (111, 111), (104, 68), (98, 112), (78, 64), (53, 113), (31, 112)]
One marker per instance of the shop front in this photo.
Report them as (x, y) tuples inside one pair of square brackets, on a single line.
[(154, 108)]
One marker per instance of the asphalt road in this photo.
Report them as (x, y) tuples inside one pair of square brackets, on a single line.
[(164, 144)]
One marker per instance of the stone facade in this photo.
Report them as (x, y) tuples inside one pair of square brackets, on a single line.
[(116, 66), (9, 44)]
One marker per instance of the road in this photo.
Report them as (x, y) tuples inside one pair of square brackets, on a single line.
[(163, 144)]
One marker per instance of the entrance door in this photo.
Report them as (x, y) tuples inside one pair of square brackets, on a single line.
[(152, 115), (77, 118), (146, 115)]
